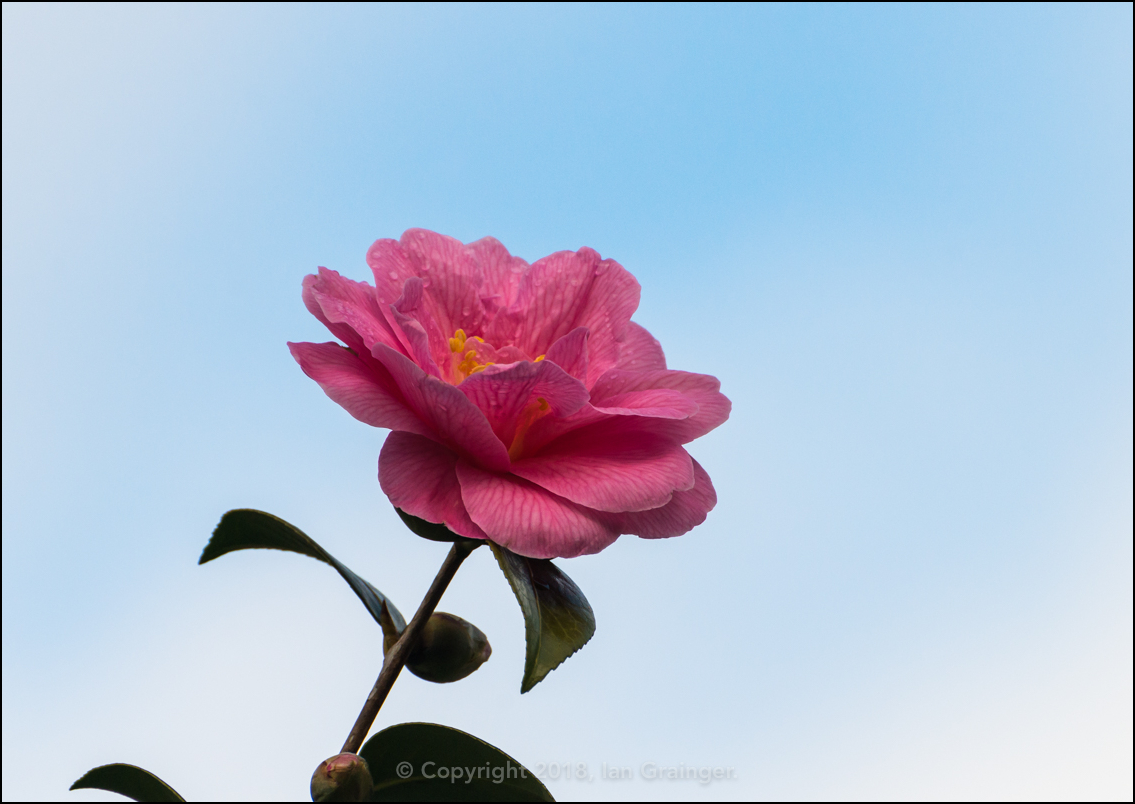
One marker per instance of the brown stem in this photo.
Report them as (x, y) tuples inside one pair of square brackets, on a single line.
[(396, 657)]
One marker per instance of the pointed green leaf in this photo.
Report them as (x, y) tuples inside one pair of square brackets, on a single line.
[(558, 620), (246, 528), (432, 530), (127, 780), (427, 762)]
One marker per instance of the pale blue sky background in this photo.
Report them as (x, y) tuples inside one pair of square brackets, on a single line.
[(901, 236)]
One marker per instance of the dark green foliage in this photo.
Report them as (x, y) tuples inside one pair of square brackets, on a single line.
[(127, 780), (400, 760), (558, 620), (246, 528)]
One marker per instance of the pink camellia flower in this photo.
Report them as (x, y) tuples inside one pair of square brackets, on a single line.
[(526, 406)]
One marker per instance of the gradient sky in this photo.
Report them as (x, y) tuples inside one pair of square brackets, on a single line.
[(901, 236)]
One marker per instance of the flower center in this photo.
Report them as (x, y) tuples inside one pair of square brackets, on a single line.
[(471, 355), (468, 363)]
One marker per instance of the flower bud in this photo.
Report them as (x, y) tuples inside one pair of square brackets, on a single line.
[(450, 648), (344, 777)]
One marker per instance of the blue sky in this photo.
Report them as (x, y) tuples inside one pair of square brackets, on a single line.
[(901, 236)]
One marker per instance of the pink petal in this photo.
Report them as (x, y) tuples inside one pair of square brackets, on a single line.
[(610, 474), (419, 476), (570, 353), (568, 290), (450, 271), (448, 413), (452, 279), (364, 389), (414, 331), (639, 351), (503, 392), (502, 273), (391, 267), (684, 512), (701, 389), (659, 403), (349, 309), (486, 352), (627, 413), (529, 520)]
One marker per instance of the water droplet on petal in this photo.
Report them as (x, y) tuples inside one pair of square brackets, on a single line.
[(393, 274)]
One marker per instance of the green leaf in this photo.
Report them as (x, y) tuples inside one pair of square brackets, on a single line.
[(432, 530), (127, 780), (558, 620), (427, 762), (245, 528)]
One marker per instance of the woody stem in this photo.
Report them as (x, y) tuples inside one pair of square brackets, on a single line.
[(396, 657)]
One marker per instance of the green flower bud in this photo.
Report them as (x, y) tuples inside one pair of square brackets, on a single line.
[(450, 649), (344, 777)]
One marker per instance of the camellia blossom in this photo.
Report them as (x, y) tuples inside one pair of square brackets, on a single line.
[(526, 406)]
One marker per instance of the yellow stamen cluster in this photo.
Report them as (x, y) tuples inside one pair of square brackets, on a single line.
[(468, 364), (534, 411)]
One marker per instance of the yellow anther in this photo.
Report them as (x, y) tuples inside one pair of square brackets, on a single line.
[(530, 414), (541, 357), (467, 365)]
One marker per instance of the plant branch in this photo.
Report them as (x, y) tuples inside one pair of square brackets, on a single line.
[(397, 656)]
